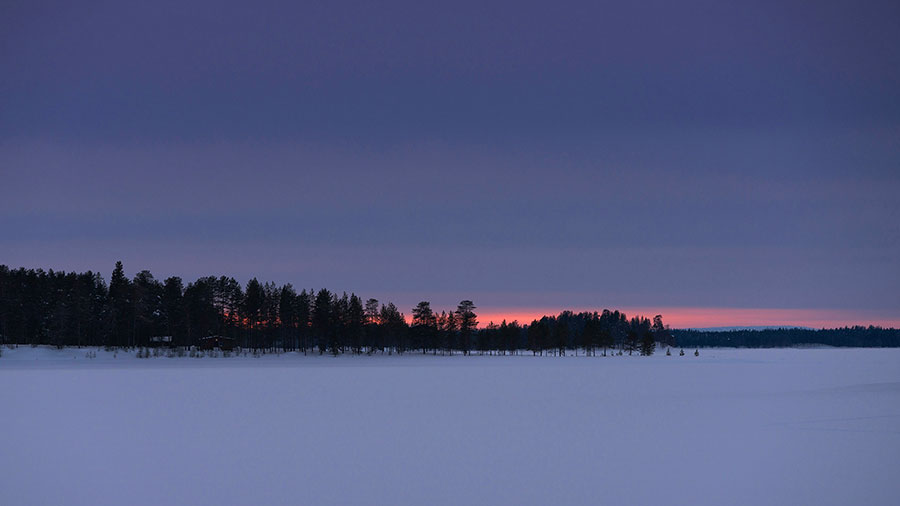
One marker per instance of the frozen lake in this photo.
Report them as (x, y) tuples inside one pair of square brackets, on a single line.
[(814, 426)]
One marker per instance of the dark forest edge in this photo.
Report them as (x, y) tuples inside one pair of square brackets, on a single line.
[(853, 337), (80, 309)]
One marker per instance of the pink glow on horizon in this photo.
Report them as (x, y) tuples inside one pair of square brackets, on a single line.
[(700, 317)]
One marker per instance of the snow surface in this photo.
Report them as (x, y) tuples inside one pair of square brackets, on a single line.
[(786, 426)]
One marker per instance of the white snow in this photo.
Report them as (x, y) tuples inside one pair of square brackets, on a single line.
[(786, 426)]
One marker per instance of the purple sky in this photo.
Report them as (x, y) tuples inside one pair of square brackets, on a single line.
[(524, 155)]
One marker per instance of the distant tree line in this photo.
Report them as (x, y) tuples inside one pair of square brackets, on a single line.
[(80, 309), (857, 337)]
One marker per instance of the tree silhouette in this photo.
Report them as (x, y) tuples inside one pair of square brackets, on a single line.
[(121, 309), (424, 326), (71, 309), (648, 344), (467, 321)]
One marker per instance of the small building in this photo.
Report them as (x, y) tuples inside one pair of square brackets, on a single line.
[(217, 342), (157, 341)]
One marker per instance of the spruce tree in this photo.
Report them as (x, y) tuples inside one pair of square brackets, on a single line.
[(173, 313), (287, 317), (321, 319), (121, 311)]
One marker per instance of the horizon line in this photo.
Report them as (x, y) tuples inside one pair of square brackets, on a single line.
[(699, 317)]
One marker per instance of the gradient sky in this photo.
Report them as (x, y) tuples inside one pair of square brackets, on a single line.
[(723, 162)]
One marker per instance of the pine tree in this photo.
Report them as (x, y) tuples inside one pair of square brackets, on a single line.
[(321, 319), (146, 300), (590, 334), (338, 338), (173, 313), (450, 332), (561, 336), (606, 340), (252, 310), (356, 320), (648, 344), (467, 321), (424, 325), (510, 336), (303, 314), (121, 311), (394, 326), (373, 332), (632, 341), (287, 316), (661, 332)]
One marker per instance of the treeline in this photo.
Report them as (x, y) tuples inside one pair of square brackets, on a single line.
[(80, 309), (856, 337)]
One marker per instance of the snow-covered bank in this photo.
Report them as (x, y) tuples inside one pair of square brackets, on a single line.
[(783, 426)]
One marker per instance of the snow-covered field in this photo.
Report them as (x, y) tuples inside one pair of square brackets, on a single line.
[(813, 426)]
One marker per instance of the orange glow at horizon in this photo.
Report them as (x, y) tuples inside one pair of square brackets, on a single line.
[(701, 317)]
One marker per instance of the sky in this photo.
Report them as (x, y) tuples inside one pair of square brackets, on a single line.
[(719, 162)]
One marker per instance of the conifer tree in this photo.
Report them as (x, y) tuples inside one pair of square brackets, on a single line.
[(467, 321), (252, 310), (450, 332), (355, 324), (287, 317), (533, 338), (146, 300), (590, 335), (394, 327), (648, 344), (121, 310), (606, 340), (173, 313), (632, 341), (303, 314), (424, 325), (321, 319), (561, 336), (372, 330)]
